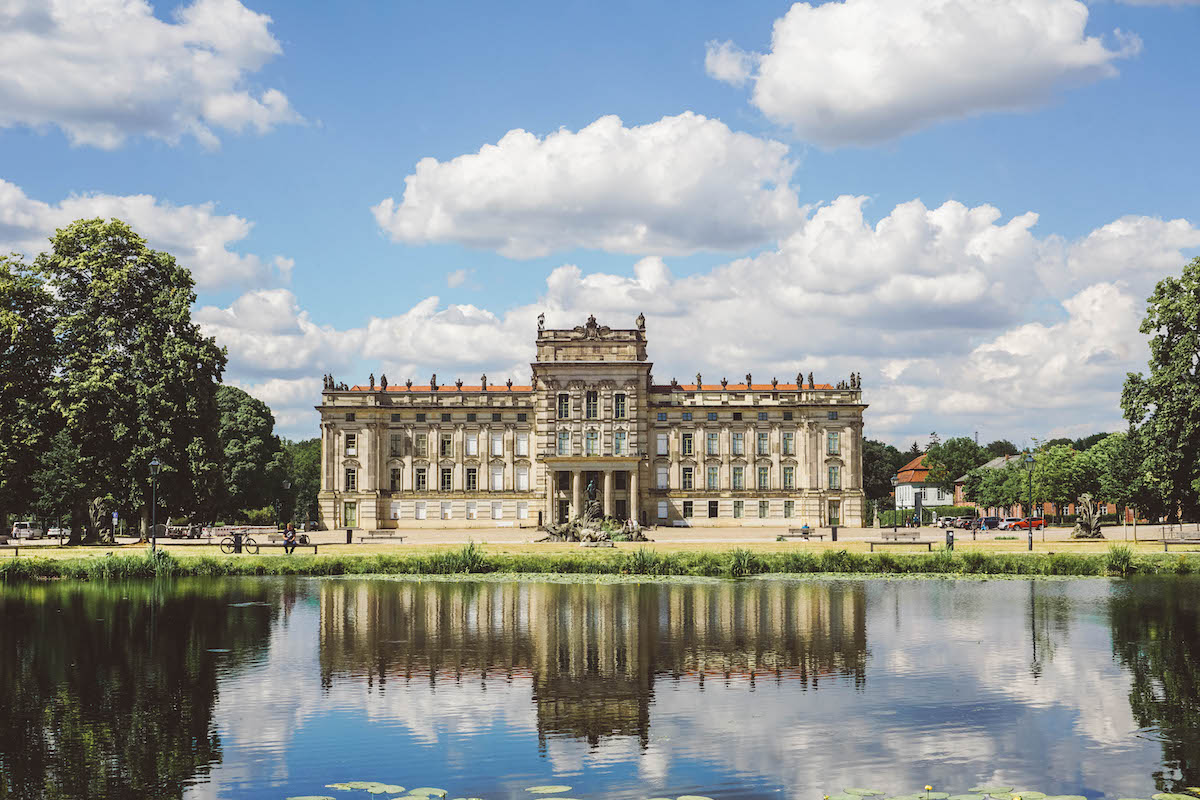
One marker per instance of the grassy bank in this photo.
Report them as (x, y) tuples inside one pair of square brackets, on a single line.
[(732, 563)]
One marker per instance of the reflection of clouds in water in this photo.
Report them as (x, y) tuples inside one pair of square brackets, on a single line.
[(949, 698)]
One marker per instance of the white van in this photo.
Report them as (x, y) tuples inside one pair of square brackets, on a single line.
[(27, 530)]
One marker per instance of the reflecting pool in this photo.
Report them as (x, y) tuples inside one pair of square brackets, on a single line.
[(274, 688)]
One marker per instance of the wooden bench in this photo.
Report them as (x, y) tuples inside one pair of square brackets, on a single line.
[(1168, 542), (802, 533), (16, 548), (905, 540), (900, 534), (373, 536), (310, 544)]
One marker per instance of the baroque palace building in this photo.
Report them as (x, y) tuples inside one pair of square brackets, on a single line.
[(502, 455)]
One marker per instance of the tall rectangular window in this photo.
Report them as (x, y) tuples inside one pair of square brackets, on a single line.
[(522, 443), (473, 444), (592, 404), (447, 479), (421, 480), (662, 509), (739, 444), (472, 510), (395, 444), (497, 479), (522, 479), (564, 406), (394, 482), (764, 444), (688, 444), (663, 449), (789, 508), (619, 406), (832, 444), (739, 477), (713, 477), (661, 475), (446, 511), (739, 509), (447, 447), (764, 477), (421, 512), (497, 511), (789, 443), (764, 509), (564, 443), (351, 479), (688, 478), (619, 438), (714, 443), (714, 508), (351, 444), (835, 477), (421, 442), (835, 512), (472, 479), (523, 509), (789, 477), (498, 443), (687, 509), (592, 442)]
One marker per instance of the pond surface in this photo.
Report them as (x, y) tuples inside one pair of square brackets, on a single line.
[(274, 688)]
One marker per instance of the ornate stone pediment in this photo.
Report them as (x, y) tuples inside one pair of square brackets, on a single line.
[(590, 330)]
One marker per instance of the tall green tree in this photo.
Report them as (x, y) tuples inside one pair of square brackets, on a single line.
[(304, 471), (1057, 475), (136, 379), (27, 350), (880, 462), (253, 458), (1001, 447), (951, 459), (1164, 405)]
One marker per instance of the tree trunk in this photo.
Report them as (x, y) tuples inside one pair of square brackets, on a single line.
[(144, 524)]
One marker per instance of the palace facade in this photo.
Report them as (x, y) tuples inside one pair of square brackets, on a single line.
[(505, 455)]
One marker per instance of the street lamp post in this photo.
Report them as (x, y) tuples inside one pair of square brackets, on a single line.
[(154, 465), (1029, 512), (279, 505), (895, 501)]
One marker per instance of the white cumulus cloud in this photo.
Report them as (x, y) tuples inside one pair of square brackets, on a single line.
[(105, 70), (198, 237), (864, 71), (675, 186)]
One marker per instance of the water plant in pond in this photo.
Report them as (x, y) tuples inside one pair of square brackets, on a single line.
[(553, 789)]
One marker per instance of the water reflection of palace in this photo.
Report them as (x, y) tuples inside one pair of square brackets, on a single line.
[(592, 653)]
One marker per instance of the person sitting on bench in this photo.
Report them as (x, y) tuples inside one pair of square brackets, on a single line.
[(289, 538)]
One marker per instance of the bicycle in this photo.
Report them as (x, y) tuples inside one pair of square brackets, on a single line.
[(248, 545)]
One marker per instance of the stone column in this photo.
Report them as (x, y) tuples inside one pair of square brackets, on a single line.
[(328, 457), (633, 492), (548, 515), (725, 445), (608, 492), (775, 446), (458, 450), (576, 492), (675, 447), (483, 473)]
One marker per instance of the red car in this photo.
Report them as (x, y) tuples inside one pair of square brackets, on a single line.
[(1023, 524)]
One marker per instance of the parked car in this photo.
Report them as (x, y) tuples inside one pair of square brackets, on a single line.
[(946, 522), (1007, 523), (1023, 524), (27, 530), (963, 522), (990, 523), (58, 533)]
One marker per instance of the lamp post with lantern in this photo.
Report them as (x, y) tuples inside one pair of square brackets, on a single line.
[(895, 500), (1029, 461), (154, 467)]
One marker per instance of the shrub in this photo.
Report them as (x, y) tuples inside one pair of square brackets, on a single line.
[(1119, 559)]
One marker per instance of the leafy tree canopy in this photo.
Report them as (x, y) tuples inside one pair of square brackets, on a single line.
[(880, 462), (253, 461), (1001, 447), (951, 459)]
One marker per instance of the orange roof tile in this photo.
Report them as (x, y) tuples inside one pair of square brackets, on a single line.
[(914, 471)]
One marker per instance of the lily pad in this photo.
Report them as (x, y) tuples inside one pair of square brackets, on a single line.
[(1171, 796), (992, 790), (966, 797), (1030, 795), (551, 789), (427, 791), (862, 792)]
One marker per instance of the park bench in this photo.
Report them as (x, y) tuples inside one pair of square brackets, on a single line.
[(1171, 536), (16, 548), (380, 535), (280, 544), (901, 534), (901, 540), (802, 533)]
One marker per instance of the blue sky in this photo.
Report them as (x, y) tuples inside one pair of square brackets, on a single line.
[(962, 324)]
